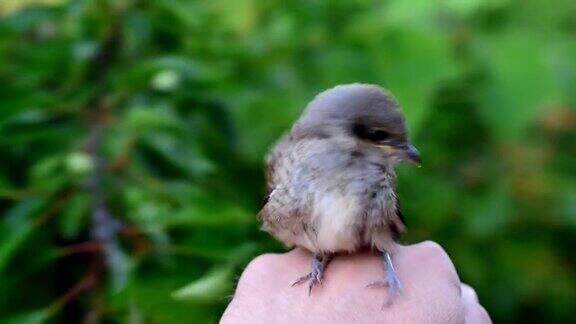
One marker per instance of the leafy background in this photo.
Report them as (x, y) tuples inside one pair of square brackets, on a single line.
[(132, 135)]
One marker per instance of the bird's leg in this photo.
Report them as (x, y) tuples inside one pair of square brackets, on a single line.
[(317, 268), (392, 281)]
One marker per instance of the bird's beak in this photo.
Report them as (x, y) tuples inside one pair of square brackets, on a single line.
[(410, 153), (404, 151)]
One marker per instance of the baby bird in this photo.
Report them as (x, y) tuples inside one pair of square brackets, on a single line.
[(331, 181)]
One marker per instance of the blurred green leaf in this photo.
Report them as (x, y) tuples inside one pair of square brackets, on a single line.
[(120, 266), (415, 64), (468, 8), (141, 119), (209, 213), (16, 227), (523, 82), (185, 156), (34, 317), (79, 163), (74, 215), (212, 287), (490, 213)]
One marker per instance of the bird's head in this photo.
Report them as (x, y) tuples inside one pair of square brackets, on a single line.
[(366, 114)]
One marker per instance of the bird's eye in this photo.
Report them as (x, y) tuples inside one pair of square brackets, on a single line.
[(378, 135), (370, 134)]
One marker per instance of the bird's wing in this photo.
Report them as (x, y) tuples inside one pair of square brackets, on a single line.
[(286, 202), (269, 170), (397, 224), (270, 164)]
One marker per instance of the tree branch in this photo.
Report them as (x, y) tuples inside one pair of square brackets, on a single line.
[(104, 226)]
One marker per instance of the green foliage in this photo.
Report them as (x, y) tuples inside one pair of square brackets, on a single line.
[(193, 94)]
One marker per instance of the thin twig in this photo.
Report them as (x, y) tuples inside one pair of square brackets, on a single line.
[(84, 247), (105, 227), (84, 284)]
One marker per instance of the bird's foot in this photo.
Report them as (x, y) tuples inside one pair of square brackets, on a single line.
[(317, 268), (392, 282)]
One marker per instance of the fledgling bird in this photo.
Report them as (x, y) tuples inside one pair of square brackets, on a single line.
[(331, 181)]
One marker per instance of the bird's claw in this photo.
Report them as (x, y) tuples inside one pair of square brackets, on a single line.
[(377, 284), (394, 287), (312, 282), (314, 277), (392, 281), (308, 277)]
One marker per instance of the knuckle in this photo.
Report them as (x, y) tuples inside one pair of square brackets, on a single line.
[(255, 270), (468, 293), (435, 255), (432, 250), (477, 314), (262, 260), (431, 246), (261, 273), (484, 316)]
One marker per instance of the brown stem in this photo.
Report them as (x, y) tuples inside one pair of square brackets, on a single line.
[(84, 284), (84, 247), (104, 227)]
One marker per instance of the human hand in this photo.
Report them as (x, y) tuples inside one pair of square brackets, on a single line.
[(431, 293)]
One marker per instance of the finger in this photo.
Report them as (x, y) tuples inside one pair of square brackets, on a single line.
[(431, 287), (430, 257), (468, 293), (474, 313)]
